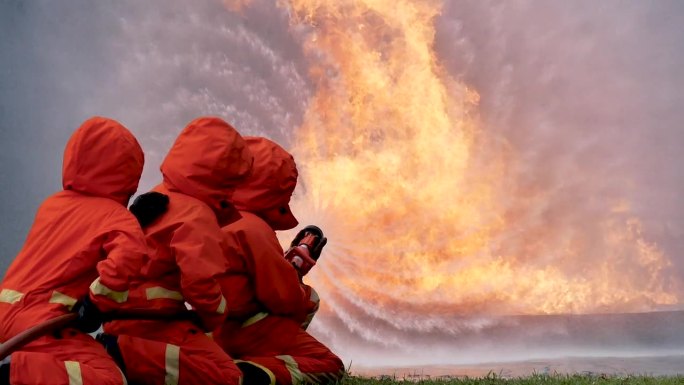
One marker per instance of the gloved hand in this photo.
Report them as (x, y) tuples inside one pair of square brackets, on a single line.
[(89, 316), (315, 249), (149, 206)]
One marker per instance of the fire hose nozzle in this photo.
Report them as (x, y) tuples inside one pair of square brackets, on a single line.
[(305, 248)]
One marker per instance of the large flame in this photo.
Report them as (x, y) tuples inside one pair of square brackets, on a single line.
[(425, 209)]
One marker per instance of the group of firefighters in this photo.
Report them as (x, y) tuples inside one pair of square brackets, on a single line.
[(195, 264)]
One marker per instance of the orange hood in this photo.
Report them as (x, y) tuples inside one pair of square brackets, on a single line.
[(207, 161), (268, 190), (103, 158)]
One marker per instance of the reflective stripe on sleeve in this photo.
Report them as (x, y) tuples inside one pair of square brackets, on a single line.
[(222, 306), (293, 368), (73, 369), (254, 319), (159, 292), (10, 296), (63, 299), (172, 363), (98, 288)]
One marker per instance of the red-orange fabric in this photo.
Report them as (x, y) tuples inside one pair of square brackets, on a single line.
[(103, 159), (201, 361), (207, 161), (76, 233), (187, 259), (200, 171), (269, 340), (267, 191), (259, 278), (188, 244), (43, 361)]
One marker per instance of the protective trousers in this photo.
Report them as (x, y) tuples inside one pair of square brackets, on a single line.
[(282, 347), (175, 353), (73, 359)]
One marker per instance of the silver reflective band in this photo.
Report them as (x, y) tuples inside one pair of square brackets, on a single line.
[(254, 319), (73, 369), (222, 306), (159, 292), (98, 288), (172, 363), (63, 299), (10, 296), (293, 368)]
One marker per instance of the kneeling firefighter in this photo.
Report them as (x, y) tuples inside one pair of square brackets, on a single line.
[(207, 161), (80, 232), (268, 305)]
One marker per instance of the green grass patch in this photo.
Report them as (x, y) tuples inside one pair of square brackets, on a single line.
[(536, 379)]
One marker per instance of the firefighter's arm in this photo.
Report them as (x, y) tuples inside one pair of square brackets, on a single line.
[(276, 281), (313, 305), (197, 246), (126, 254)]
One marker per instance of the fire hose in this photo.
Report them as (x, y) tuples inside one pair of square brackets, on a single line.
[(52, 325)]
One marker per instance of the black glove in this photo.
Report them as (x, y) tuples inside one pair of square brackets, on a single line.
[(195, 318), (149, 206), (315, 251), (89, 316)]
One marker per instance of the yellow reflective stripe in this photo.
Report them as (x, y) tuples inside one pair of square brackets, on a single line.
[(63, 299), (222, 306), (98, 288), (172, 363), (254, 319), (293, 368), (73, 369), (159, 292), (265, 369), (10, 296)]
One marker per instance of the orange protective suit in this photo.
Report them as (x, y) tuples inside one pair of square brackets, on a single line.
[(77, 232), (200, 171), (267, 304)]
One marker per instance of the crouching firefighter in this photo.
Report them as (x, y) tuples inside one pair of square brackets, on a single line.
[(207, 160), (80, 232), (268, 305)]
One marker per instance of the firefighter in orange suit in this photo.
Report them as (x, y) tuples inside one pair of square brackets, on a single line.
[(77, 232), (267, 303), (200, 172)]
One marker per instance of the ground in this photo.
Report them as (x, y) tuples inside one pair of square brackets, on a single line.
[(536, 379)]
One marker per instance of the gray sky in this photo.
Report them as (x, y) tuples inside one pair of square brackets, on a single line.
[(588, 93)]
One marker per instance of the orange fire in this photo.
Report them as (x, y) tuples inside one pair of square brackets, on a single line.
[(422, 206)]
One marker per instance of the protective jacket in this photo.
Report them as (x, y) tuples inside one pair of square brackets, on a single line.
[(77, 232), (267, 303), (200, 172)]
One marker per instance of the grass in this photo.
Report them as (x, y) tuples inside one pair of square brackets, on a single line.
[(535, 379)]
